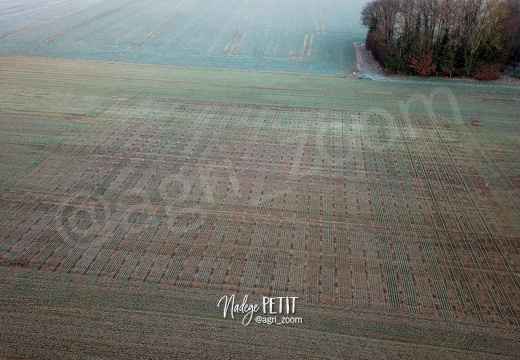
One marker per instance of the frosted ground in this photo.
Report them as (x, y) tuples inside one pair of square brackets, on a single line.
[(294, 35)]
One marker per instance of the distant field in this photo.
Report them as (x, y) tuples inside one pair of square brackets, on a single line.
[(290, 35), (136, 191)]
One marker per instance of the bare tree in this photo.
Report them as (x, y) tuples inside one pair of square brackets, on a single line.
[(380, 17), (427, 36)]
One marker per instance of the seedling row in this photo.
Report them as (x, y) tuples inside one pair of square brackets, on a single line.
[(338, 207)]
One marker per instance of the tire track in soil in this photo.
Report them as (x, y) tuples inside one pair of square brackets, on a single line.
[(51, 38), (239, 33), (161, 27), (34, 26), (318, 14)]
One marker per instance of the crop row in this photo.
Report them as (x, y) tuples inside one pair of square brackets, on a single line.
[(256, 34), (231, 197)]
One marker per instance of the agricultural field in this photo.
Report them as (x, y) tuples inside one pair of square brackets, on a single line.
[(289, 35), (149, 170)]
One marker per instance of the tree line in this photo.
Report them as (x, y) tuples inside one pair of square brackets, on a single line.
[(477, 38)]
